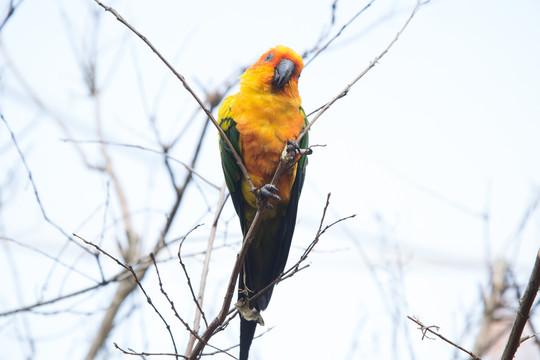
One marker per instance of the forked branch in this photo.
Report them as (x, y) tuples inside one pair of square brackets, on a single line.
[(434, 330)]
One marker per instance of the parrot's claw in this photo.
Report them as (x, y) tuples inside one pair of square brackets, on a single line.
[(292, 147), (269, 191), (247, 313), (293, 150)]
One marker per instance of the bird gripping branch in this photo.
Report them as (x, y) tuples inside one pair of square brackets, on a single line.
[(262, 119)]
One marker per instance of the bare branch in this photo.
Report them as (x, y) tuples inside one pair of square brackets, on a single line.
[(48, 256), (142, 354), (127, 289), (370, 66), (429, 329), (235, 346), (187, 87), (39, 102), (154, 151), (34, 187), (204, 275), (296, 267), (523, 312), (10, 11), (131, 251), (187, 275), (173, 308), (338, 34), (63, 297)]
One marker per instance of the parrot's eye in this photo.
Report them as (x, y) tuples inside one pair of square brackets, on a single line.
[(269, 57)]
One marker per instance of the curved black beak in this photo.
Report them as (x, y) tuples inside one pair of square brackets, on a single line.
[(283, 72)]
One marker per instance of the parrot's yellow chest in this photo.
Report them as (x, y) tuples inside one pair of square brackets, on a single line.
[(265, 124)]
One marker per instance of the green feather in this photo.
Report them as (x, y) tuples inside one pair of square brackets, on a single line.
[(231, 170)]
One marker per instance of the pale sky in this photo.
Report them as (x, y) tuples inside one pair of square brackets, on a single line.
[(443, 130)]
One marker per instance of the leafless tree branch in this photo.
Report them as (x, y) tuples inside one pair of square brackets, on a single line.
[(296, 267), (429, 329), (150, 150), (319, 49), (135, 276), (173, 308), (34, 186), (195, 300), (40, 103), (523, 312), (204, 275), (186, 86), (143, 354), (355, 80), (9, 13)]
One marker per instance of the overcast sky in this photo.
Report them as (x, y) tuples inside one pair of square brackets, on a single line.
[(435, 150)]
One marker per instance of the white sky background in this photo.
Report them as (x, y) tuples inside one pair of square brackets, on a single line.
[(444, 128)]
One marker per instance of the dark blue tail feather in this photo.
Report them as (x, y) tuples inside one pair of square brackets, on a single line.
[(247, 331)]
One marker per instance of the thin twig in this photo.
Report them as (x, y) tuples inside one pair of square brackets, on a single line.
[(338, 34), (370, 66), (425, 329), (186, 86), (39, 102), (173, 308), (131, 251), (48, 256), (63, 297), (296, 267), (142, 354), (144, 148), (34, 186), (235, 346), (136, 279), (187, 275)]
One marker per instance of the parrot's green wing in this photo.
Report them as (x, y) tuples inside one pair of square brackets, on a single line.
[(289, 221), (231, 170)]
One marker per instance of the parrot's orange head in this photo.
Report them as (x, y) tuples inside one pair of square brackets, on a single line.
[(276, 71)]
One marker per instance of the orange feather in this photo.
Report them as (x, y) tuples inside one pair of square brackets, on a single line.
[(267, 119)]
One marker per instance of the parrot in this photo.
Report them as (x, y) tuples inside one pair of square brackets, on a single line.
[(260, 120)]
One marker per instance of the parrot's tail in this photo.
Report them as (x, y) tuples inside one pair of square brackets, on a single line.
[(247, 331)]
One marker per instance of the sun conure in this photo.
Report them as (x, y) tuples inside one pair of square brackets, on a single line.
[(259, 121)]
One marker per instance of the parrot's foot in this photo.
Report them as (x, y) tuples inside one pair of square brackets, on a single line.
[(293, 150), (248, 314), (269, 191)]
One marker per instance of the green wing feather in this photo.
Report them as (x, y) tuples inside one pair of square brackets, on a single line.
[(231, 170)]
